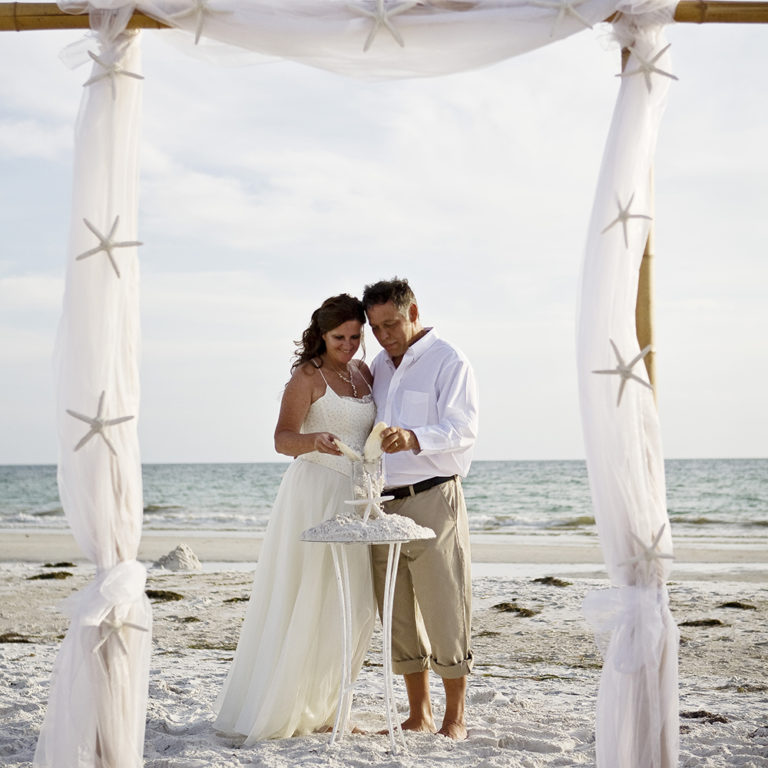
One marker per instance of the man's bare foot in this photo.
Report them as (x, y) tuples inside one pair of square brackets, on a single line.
[(453, 730), (415, 724), (426, 725)]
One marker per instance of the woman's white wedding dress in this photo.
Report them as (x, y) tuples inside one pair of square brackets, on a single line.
[(286, 673)]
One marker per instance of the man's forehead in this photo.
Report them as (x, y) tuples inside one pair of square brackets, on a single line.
[(383, 311)]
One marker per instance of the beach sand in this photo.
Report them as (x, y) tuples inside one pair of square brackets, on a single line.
[(531, 698)]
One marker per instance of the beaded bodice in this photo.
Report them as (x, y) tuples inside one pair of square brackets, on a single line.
[(349, 418)]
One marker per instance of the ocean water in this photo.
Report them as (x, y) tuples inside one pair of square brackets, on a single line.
[(708, 499)]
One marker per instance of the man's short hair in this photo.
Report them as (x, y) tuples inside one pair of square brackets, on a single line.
[(395, 290)]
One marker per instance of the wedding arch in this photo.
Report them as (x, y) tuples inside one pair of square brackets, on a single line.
[(103, 664)]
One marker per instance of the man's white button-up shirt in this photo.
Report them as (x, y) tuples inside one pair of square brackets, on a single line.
[(433, 393)]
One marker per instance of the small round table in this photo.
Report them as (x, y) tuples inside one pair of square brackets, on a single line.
[(338, 544)]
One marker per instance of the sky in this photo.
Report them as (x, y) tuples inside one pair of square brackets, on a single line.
[(266, 188)]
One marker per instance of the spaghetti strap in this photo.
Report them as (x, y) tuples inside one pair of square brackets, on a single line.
[(370, 391), (360, 374), (320, 371)]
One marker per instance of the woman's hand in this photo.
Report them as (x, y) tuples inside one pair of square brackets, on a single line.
[(325, 442)]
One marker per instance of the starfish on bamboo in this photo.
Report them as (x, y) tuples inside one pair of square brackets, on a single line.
[(564, 8), (199, 9), (647, 67), (382, 16), (97, 425), (624, 370), (649, 552), (107, 243), (111, 71), (623, 217), (116, 628)]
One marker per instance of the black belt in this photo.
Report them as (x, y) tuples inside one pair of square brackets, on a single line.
[(411, 490)]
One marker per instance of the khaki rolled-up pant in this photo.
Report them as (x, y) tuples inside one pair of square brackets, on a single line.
[(431, 616)]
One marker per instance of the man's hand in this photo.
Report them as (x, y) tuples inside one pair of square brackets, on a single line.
[(396, 439)]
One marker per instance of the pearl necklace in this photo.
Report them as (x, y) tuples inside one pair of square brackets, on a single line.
[(348, 380)]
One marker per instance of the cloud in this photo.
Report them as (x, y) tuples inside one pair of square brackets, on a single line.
[(32, 138), (283, 185)]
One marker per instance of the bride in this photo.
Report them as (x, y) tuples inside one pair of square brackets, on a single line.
[(286, 673)]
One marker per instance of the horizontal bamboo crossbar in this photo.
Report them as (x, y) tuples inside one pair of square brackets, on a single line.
[(721, 12), (22, 17)]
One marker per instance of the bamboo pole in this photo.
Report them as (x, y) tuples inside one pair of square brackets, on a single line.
[(721, 12), (644, 306), (21, 17), (644, 315)]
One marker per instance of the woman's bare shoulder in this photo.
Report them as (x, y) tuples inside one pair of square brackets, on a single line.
[(306, 377)]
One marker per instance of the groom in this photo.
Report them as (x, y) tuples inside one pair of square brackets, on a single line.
[(425, 391)]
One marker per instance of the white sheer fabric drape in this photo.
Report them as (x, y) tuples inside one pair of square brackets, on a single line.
[(98, 697), (637, 717), (101, 486)]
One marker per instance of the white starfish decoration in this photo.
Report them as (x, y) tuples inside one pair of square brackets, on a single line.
[(97, 425), (382, 18), (370, 502), (564, 8), (112, 71), (199, 9), (116, 628), (623, 217), (649, 552), (625, 369), (107, 243), (647, 67)]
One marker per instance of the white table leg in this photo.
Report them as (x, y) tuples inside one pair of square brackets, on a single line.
[(341, 723), (342, 583), (393, 718), (348, 685)]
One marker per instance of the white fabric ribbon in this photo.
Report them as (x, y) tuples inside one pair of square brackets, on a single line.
[(637, 711), (102, 666), (113, 590), (627, 624)]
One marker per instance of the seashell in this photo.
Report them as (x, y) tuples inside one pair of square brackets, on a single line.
[(350, 453), (372, 449)]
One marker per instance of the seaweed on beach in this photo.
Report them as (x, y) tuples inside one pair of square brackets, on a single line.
[(14, 637), (514, 608), (702, 623), (205, 646), (64, 564), (704, 716), (751, 688), (738, 604), (163, 595), (552, 581), (237, 600), (744, 687), (50, 575)]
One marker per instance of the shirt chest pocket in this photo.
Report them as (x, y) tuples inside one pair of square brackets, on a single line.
[(415, 408)]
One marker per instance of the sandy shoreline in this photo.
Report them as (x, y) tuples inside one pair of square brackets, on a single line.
[(531, 698), (239, 547)]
